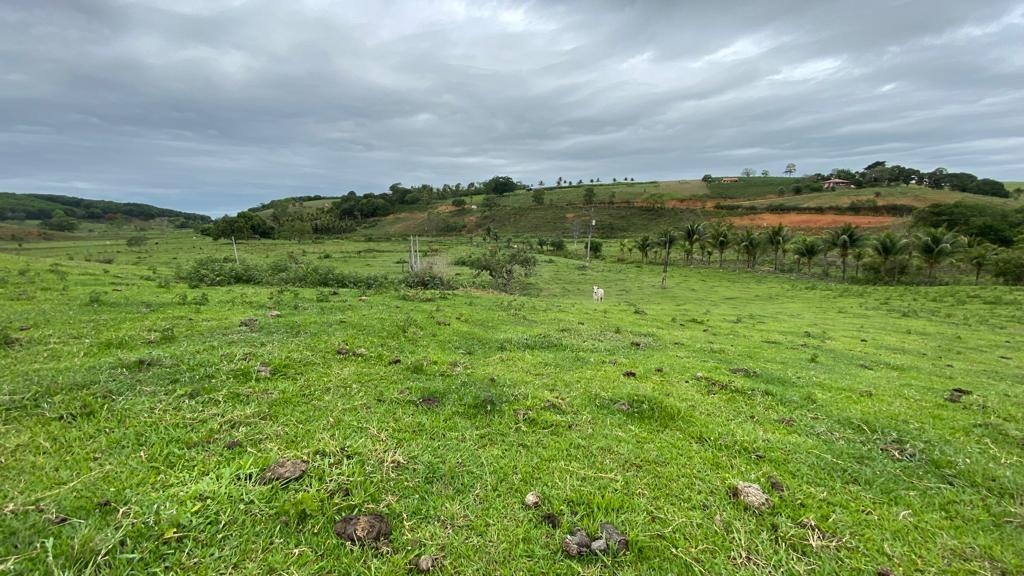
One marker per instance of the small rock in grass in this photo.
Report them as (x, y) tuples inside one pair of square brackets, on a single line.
[(232, 444), (617, 541), (776, 484), (363, 298), (359, 352), (283, 471), (599, 546), (395, 360), (622, 406), (263, 370), (532, 500), (273, 313), (343, 350), (577, 543), (363, 529), (751, 495), (426, 563), (629, 374)]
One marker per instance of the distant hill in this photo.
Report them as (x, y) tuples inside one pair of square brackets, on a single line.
[(42, 206)]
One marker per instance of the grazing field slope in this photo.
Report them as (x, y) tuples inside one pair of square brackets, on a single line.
[(139, 414)]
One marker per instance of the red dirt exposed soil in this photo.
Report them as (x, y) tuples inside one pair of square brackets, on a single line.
[(814, 221)]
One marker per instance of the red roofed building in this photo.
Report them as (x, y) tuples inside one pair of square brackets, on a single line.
[(836, 183)]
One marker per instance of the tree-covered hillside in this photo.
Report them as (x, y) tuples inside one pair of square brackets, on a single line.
[(43, 206)]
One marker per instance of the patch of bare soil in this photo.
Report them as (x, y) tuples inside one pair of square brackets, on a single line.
[(814, 221), (956, 395), (283, 471), (363, 529), (751, 495), (428, 402)]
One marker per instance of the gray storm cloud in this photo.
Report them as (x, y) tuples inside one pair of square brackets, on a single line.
[(214, 106)]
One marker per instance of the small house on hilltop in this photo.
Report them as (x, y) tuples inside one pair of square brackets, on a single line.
[(730, 180), (836, 183)]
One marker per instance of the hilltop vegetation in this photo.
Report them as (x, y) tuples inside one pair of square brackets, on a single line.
[(44, 206)]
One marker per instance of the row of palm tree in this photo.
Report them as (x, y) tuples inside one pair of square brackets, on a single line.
[(889, 251)]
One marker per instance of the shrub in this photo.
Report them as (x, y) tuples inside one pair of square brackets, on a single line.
[(428, 279), (557, 244), (506, 268), (136, 241), (1009, 267), (797, 189), (458, 202), (220, 272)]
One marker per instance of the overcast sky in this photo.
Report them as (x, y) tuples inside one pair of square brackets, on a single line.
[(216, 105)]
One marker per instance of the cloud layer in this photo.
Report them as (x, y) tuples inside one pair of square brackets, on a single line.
[(216, 105)]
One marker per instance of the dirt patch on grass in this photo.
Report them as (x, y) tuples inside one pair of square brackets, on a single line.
[(814, 221), (363, 529)]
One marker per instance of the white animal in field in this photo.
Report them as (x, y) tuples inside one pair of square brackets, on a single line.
[(598, 294)]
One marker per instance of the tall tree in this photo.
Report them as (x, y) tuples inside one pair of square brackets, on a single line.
[(693, 234), (979, 257), (748, 172), (844, 239), (808, 249), (720, 237), (644, 244), (887, 248), (790, 169), (751, 244), (935, 246), (666, 240), (778, 238)]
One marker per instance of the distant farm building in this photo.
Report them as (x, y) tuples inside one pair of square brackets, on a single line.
[(836, 183), (730, 180)]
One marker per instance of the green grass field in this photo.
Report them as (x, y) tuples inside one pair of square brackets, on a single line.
[(122, 390), (910, 195)]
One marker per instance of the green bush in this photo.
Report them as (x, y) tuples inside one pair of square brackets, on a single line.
[(220, 272), (1009, 267)]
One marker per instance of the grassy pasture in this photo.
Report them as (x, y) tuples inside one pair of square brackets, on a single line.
[(911, 195), (120, 395)]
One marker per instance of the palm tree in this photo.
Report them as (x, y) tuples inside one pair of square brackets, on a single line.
[(980, 256), (693, 233), (666, 240), (805, 248), (935, 246), (720, 238), (643, 246), (778, 237), (858, 256), (750, 243), (887, 248), (846, 238)]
